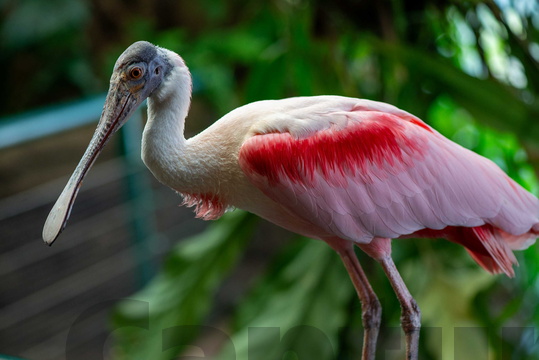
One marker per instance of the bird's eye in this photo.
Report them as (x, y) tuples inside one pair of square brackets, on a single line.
[(136, 73), (157, 70)]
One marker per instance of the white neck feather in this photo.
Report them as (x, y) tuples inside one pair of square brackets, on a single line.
[(163, 143)]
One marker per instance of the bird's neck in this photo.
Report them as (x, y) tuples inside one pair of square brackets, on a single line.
[(163, 143)]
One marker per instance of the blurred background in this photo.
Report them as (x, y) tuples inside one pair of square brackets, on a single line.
[(134, 276)]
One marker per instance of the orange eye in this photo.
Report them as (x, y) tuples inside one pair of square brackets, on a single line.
[(136, 72)]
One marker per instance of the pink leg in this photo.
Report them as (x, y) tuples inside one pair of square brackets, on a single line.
[(370, 306), (380, 249), (411, 316)]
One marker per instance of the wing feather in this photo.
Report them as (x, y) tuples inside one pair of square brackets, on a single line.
[(384, 174)]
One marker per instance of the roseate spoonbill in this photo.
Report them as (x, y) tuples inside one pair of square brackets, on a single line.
[(343, 170)]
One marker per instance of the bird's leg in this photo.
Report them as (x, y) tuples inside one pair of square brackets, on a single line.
[(411, 316), (370, 306), (380, 249)]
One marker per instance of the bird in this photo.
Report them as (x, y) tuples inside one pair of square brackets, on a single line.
[(347, 171)]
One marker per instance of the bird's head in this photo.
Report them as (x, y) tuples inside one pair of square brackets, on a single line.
[(138, 73)]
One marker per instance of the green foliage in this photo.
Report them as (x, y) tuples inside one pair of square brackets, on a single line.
[(468, 68), (304, 302), (26, 24), (180, 297), (446, 70), (299, 306), (40, 46)]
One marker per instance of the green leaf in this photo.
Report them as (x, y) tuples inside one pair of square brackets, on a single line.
[(489, 101), (267, 80), (298, 307), (181, 295)]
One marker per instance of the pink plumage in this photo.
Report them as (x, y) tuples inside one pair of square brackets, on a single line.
[(343, 170), (389, 175), (207, 206)]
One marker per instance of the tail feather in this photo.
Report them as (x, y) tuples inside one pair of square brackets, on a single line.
[(491, 247), (491, 265), (495, 253), (519, 242)]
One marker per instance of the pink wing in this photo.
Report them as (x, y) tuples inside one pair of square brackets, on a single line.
[(388, 174)]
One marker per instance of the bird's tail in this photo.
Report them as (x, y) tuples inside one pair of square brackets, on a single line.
[(491, 247)]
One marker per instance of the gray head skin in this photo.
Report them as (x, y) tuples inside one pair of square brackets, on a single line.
[(138, 72)]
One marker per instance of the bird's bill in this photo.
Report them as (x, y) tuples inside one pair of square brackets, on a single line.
[(119, 106)]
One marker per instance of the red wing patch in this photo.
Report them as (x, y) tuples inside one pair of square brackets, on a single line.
[(379, 140), (420, 123)]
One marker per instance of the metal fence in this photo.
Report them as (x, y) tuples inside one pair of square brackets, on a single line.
[(122, 224)]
